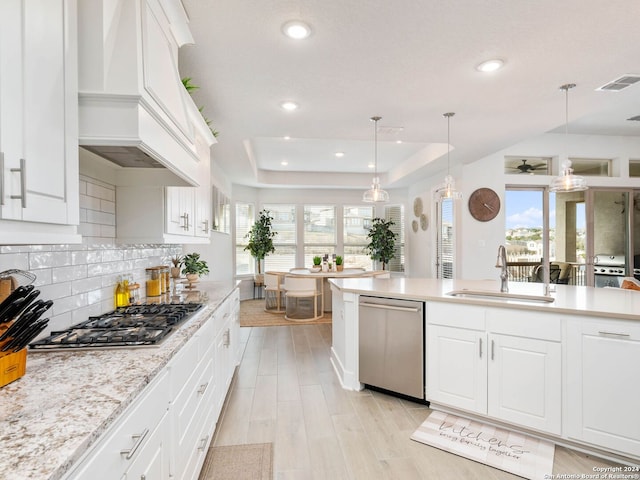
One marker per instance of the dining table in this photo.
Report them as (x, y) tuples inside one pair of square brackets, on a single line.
[(324, 276)]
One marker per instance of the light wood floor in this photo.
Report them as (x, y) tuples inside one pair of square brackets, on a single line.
[(286, 392)]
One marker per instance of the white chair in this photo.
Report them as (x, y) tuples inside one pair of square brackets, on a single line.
[(273, 293), (302, 298)]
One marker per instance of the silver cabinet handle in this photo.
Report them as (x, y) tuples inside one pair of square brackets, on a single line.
[(23, 183), (227, 338), (493, 345), (480, 347), (390, 307), (139, 439), (206, 226), (615, 334), (185, 217), (203, 388), (203, 443)]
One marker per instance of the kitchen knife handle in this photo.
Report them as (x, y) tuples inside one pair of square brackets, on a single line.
[(23, 183), (139, 439)]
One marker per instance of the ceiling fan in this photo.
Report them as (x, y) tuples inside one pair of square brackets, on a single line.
[(527, 167)]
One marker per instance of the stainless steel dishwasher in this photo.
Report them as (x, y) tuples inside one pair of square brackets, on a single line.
[(391, 345)]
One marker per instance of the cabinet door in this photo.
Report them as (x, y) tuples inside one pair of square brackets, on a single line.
[(180, 215), (525, 382), (457, 367), (38, 116), (153, 459), (602, 383), (202, 220)]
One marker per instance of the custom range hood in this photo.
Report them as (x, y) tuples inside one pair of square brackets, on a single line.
[(133, 109)]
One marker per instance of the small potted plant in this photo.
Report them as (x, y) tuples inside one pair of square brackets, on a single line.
[(193, 267), (317, 261), (177, 262), (339, 265)]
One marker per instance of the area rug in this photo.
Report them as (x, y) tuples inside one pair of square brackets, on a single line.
[(512, 452), (252, 314), (235, 462)]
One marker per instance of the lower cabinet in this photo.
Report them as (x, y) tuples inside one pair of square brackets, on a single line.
[(603, 357), (166, 432), (495, 362)]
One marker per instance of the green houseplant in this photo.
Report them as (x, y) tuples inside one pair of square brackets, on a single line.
[(339, 265), (177, 262), (261, 239), (382, 241), (193, 267)]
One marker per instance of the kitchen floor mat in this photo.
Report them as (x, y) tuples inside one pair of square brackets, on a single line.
[(235, 462), (512, 452)]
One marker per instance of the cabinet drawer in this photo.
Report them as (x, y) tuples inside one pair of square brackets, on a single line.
[(128, 438), (523, 323), (455, 315)]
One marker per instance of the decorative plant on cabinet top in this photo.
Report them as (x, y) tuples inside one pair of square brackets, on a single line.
[(382, 241), (190, 87), (261, 239)]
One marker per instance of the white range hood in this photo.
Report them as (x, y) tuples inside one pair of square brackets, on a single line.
[(133, 108)]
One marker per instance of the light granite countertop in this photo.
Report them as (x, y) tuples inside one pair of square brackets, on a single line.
[(66, 400), (568, 299)]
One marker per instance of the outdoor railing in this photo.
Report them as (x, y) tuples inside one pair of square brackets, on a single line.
[(524, 272)]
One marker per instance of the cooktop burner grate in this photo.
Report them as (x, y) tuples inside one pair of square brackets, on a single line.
[(138, 325)]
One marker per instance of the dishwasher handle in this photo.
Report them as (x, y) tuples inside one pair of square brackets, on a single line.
[(390, 307)]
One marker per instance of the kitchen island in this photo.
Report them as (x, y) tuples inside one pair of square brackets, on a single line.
[(60, 419), (562, 369)]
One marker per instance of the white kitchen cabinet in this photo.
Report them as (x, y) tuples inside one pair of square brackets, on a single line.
[(497, 362), (603, 408), (38, 121), (166, 431)]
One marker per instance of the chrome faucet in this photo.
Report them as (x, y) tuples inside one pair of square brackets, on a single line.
[(501, 263)]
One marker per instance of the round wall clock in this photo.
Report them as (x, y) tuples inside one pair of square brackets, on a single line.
[(484, 204)]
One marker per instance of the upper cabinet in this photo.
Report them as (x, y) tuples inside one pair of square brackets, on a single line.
[(133, 108), (38, 122)]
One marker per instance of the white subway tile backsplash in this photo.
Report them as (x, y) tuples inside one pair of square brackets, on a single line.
[(90, 203), (49, 259), (86, 284), (107, 206), (43, 277), (14, 260), (112, 255), (64, 274)]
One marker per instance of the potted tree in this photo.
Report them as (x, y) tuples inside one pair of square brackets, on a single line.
[(193, 267), (382, 241), (261, 240)]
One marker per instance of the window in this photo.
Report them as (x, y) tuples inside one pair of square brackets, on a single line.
[(445, 238), (221, 211), (356, 224), (284, 224), (319, 231), (594, 167), (395, 213), (518, 165), (245, 264), (634, 168)]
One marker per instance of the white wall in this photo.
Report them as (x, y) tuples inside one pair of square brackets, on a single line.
[(477, 242)]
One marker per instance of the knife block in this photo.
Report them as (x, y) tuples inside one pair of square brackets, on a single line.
[(13, 365)]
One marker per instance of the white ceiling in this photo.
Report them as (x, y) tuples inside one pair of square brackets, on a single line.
[(408, 61)]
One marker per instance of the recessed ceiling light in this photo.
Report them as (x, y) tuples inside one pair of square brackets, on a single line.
[(287, 137), (398, 141), (284, 163), (289, 106), (490, 65), (339, 154), (296, 29), (371, 165)]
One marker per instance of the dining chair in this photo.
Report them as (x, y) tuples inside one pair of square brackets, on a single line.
[(273, 293), (302, 299)]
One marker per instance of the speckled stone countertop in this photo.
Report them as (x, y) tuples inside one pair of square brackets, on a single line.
[(66, 400)]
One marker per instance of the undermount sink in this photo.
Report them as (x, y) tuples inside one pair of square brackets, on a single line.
[(491, 295)]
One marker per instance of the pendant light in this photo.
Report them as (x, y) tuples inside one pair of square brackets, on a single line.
[(375, 194), (567, 181), (448, 189)]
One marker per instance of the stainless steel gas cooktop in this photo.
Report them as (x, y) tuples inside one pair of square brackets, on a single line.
[(134, 326)]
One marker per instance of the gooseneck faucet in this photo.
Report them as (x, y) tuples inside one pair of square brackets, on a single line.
[(501, 263)]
